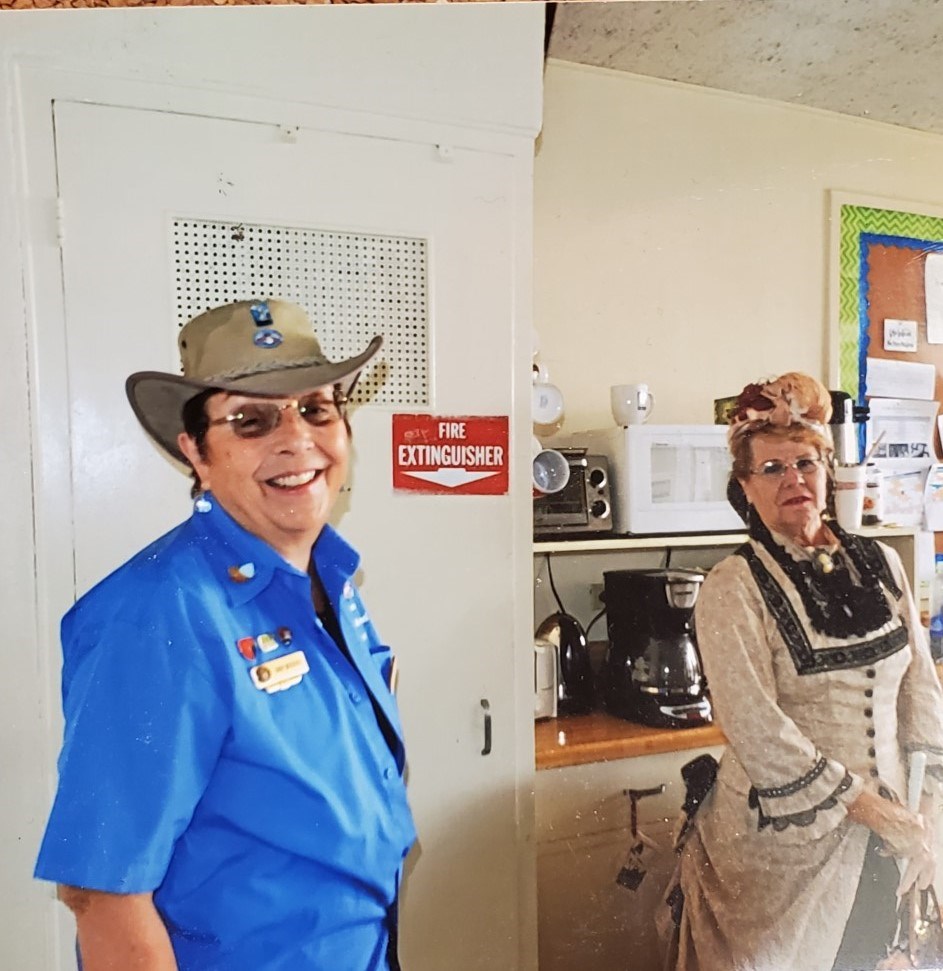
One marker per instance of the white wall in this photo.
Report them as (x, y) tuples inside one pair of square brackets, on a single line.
[(682, 234), (458, 67), (432, 63)]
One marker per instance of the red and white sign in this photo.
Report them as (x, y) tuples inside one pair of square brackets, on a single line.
[(466, 455)]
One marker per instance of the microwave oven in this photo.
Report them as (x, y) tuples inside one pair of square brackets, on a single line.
[(667, 478), (583, 505)]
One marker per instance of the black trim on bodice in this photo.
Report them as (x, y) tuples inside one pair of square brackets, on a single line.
[(838, 605), (816, 590), (806, 659)]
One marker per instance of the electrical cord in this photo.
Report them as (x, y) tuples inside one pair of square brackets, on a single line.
[(593, 621), (553, 586), (556, 595)]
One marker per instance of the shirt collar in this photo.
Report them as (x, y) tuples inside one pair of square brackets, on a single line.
[(246, 564), (243, 563), (333, 554)]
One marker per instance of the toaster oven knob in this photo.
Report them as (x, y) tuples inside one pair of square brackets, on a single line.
[(599, 509), (597, 478)]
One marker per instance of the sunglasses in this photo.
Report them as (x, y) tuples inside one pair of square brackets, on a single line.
[(255, 419), (774, 469)]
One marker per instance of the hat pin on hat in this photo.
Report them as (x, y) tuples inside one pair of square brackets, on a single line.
[(266, 336)]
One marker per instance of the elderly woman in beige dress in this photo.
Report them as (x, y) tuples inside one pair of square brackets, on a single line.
[(823, 684)]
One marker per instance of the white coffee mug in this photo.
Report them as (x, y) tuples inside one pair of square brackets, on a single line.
[(849, 495), (546, 403), (631, 404)]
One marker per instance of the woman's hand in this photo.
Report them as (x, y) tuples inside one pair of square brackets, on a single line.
[(905, 835), (918, 872)]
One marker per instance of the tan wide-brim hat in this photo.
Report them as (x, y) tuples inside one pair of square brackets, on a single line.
[(255, 347)]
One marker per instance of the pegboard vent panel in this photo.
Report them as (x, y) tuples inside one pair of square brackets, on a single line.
[(353, 286)]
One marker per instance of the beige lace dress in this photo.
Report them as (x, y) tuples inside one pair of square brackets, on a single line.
[(768, 872)]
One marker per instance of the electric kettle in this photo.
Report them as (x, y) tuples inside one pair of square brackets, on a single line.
[(576, 693)]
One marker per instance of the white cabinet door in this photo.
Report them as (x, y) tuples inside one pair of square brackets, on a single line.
[(438, 571)]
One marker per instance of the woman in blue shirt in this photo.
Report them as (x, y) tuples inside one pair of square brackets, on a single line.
[(231, 789)]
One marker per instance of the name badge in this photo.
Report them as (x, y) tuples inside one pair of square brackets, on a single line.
[(280, 673)]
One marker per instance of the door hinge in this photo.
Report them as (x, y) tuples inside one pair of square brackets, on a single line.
[(60, 221)]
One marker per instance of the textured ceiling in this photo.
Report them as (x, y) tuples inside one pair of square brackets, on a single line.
[(877, 59)]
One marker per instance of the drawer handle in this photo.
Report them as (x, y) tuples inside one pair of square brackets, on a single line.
[(486, 707), (634, 796)]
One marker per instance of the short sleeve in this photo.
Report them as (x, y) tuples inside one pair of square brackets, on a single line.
[(144, 725)]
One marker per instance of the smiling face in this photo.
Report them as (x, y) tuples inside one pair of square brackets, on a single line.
[(280, 486), (790, 504)]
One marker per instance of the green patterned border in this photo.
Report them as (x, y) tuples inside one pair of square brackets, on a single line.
[(855, 221)]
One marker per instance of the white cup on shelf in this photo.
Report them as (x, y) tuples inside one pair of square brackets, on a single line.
[(632, 404), (849, 496), (546, 403)]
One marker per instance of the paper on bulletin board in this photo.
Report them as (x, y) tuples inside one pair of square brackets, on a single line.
[(900, 335), (905, 427), (900, 379), (933, 498), (933, 285), (904, 490)]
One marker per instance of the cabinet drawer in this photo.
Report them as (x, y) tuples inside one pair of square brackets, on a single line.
[(580, 800)]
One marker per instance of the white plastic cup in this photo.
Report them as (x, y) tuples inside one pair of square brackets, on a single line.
[(632, 404), (551, 471), (849, 496)]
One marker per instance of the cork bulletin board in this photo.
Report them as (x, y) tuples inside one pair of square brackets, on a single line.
[(880, 265)]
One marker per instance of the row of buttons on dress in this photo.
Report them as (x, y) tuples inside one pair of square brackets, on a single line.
[(869, 714)]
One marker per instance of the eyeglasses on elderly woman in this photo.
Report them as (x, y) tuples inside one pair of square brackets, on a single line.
[(255, 419), (806, 467)]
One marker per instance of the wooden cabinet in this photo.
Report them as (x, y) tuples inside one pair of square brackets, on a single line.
[(586, 920)]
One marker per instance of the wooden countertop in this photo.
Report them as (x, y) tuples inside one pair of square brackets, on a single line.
[(598, 737)]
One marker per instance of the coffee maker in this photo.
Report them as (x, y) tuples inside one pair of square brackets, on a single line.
[(652, 672)]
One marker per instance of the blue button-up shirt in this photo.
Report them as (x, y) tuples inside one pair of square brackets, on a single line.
[(270, 825)]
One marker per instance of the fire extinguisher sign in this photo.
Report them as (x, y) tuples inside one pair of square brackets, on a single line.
[(464, 455)]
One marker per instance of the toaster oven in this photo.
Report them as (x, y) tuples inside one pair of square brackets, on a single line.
[(583, 506)]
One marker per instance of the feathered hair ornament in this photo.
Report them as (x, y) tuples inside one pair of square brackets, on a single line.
[(790, 399)]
